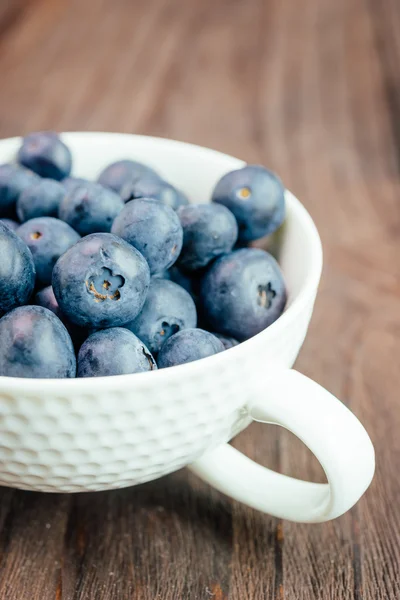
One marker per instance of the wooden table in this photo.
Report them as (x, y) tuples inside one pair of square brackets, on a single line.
[(311, 89)]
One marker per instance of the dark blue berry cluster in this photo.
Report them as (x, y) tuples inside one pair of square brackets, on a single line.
[(125, 275)]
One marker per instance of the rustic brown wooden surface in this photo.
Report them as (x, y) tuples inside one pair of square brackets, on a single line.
[(312, 89)]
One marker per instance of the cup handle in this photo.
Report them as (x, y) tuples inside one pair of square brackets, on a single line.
[(326, 426)]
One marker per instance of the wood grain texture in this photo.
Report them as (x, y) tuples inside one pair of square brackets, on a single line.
[(311, 89)]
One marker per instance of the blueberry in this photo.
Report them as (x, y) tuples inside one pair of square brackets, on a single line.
[(13, 180), (242, 293), (17, 270), (34, 343), (41, 199), (47, 299), (154, 229), (70, 183), (90, 208), (119, 173), (209, 230), (256, 197), (13, 225), (102, 281), (227, 342), (167, 310), (47, 238), (161, 274), (189, 281), (114, 351), (188, 345), (44, 153), (155, 188)]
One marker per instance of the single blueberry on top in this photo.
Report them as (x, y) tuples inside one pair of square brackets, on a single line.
[(47, 238), (41, 199), (90, 208), (243, 292), (17, 270), (121, 172), (114, 351), (154, 229), (256, 197), (227, 342), (14, 179), (47, 299), (10, 223), (209, 230), (102, 281), (155, 188), (34, 343), (44, 153), (167, 310), (188, 345)]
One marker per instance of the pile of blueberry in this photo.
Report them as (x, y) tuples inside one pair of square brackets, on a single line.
[(123, 275)]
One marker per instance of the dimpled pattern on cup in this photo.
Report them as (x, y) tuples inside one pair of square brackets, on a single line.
[(96, 434)]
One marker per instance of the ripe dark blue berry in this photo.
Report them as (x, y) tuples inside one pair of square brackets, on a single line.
[(243, 292), (34, 343), (41, 199), (14, 179), (70, 183), (209, 230), (44, 153), (114, 351), (167, 310), (227, 342), (188, 345), (47, 238), (47, 299), (122, 172), (90, 208), (154, 229), (155, 188), (102, 281), (17, 271), (256, 197)]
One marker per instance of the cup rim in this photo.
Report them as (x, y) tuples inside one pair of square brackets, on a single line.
[(307, 291)]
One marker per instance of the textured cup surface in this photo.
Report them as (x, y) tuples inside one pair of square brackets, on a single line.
[(103, 433)]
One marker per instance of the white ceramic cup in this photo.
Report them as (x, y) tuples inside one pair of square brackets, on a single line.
[(102, 433)]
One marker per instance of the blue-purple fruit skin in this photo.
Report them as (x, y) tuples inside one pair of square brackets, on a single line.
[(123, 172), (41, 199), (14, 179), (17, 271), (209, 230), (47, 238), (10, 223), (102, 281), (35, 344), (90, 208), (155, 188), (243, 292), (46, 154), (187, 346), (228, 342), (70, 183), (47, 299), (114, 351), (154, 229), (189, 281), (168, 309), (256, 197)]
